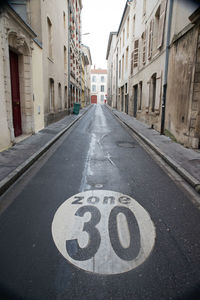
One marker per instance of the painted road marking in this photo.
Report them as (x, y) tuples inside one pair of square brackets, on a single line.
[(103, 232)]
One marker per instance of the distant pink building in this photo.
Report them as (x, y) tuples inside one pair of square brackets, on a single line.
[(98, 86)]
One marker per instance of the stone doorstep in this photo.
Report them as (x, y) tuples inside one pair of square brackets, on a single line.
[(21, 138)]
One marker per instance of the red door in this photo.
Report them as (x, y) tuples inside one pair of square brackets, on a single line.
[(93, 99), (14, 73)]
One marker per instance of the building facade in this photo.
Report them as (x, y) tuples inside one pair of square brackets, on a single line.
[(111, 76), (75, 7), (98, 86), (160, 41), (86, 74), (16, 84), (182, 115), (40, 80), (51, 26)]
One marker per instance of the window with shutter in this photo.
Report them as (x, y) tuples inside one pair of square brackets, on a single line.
[(144, 47), (136, 52), (132, 54), (150, 40), (161, 23)]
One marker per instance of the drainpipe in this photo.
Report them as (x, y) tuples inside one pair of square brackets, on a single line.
[(116, 79), (69, 57), (166, 67)]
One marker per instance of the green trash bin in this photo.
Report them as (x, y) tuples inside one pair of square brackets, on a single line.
[(76, 108)]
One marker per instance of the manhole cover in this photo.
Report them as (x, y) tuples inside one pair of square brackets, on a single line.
[(126, 144)]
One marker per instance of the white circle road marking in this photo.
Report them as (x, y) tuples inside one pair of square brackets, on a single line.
[(103, 232)]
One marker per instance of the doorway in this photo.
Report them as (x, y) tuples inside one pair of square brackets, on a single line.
[(122, 100), (126, 104), (15, 90), (135, 100)]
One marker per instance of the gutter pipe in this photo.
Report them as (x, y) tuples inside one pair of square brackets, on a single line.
[(166, 67)]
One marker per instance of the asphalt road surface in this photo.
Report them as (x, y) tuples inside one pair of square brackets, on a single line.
[(97, 218)]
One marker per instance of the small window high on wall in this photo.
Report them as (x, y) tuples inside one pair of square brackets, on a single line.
[(50, 50)]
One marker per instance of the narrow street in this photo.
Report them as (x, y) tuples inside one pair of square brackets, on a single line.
[(97, 218)]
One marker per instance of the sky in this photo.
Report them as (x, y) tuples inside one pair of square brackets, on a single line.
[(99, 18)]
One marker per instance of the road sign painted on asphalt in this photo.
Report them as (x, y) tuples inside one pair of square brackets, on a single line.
[(104, 232)]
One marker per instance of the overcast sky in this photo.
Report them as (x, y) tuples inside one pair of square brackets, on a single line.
[(99, 18)]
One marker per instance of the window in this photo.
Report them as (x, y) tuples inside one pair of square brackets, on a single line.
[(144, 47), (51, 95), (156, 28), (102, 98), (144, 7), (66, 96), (50, 52), (161, 23), (152, 92), (150, 39), (127, 30), (102, 88), (132, 56), (127, 52), (120, 69), (123, 67), (134, 25), (136, 50), (102, 79), (65, 59), (93, 88), (140, 95), (93, 78), (64, 20), (123, 36), (59, 96)]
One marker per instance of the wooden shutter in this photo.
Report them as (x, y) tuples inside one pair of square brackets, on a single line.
[(163, 7), (136, 51), (132, 55), (150, 39)]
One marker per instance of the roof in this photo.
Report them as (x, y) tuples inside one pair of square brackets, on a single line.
[(98, 71), (125, 8), (109, 42)]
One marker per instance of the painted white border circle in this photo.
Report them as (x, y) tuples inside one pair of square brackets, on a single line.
[(67, 226)]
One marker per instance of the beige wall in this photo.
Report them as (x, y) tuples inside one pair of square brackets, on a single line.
[(154, 64), (54, 66), (38, 86), (183, 94)]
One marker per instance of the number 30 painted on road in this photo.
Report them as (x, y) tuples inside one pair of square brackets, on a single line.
[(103, 232)]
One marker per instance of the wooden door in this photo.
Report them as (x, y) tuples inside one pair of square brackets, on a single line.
[(14, 74)]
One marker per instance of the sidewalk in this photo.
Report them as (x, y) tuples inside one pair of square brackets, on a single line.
[(17, 159), (184, 161)]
